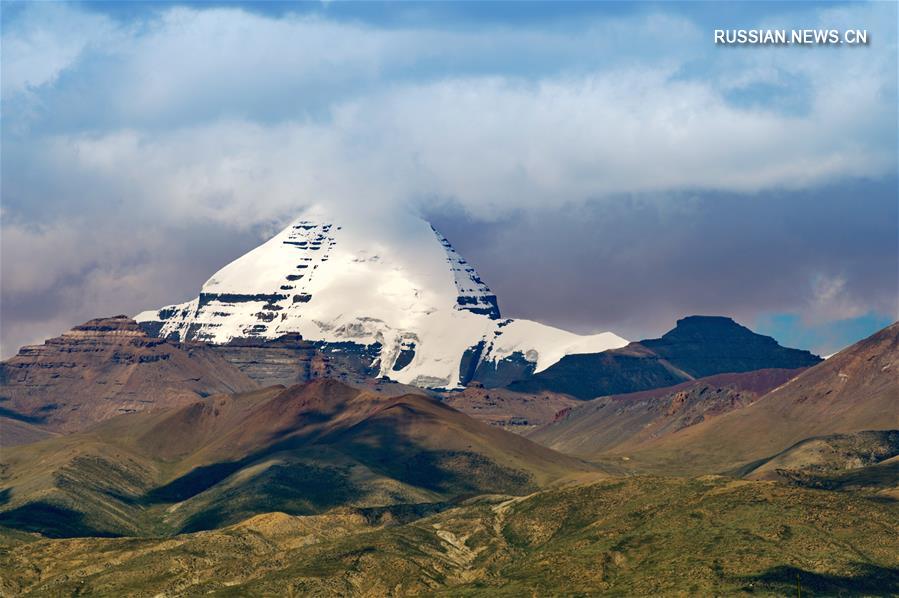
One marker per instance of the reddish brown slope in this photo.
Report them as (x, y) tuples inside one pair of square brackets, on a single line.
[(226, 428), (513, 411), (14, 432), (626, 420), (853, 391), (397, 432), (107, 367), (326, 412)]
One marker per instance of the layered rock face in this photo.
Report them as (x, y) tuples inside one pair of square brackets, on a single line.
[(107, 367), (291, 360)]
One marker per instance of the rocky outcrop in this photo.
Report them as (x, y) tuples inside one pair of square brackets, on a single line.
[(708, 345), (107, 367), (291, 360)]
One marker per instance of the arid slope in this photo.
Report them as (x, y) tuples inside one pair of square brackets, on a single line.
[(107, 367), (302, 450), (856, 390), (624, 421)]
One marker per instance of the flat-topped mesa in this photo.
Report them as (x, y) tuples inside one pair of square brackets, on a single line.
[(116, 326), (708, 345), (390, 297), (710, 328), (119, 333), (698, 346), (106, 367)]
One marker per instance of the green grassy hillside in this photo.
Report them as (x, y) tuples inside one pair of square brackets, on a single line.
[(630, 536)]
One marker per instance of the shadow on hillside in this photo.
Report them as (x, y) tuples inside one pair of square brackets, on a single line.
[(870, 580), (307, 472), (292, 488), (28, 419), (308, 484), (192, 483), (380, 446), (51, 520), (872, 477), (203, 478)]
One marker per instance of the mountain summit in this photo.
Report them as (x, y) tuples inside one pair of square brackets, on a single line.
[(408, 303), (709, 345)]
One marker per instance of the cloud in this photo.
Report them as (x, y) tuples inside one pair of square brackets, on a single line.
[(635, 264), (46, 40), (129, 143), (181, 66), (59, 275), (186, 111), (832, 299), (492, 144)]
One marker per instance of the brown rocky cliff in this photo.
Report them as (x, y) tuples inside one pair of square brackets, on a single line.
[(106, 367)]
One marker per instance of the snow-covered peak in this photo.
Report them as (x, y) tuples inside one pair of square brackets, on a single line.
[(407, 294)]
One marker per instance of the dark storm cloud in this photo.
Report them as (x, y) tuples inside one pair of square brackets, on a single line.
[(635, 265), (60, 276)]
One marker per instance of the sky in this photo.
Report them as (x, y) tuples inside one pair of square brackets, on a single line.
[(605, 166)]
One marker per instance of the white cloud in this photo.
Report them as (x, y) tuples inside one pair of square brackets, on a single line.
[(492, 144), (833, 299), (45, 41), (212, 114)]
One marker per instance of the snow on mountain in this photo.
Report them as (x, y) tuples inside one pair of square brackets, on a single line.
[(411, 296), (545, 345), (472, 294)]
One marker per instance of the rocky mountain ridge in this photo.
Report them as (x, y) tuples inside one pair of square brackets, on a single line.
[(107, 367)]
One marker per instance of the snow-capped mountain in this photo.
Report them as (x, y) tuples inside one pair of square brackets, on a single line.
[(410, 300)]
